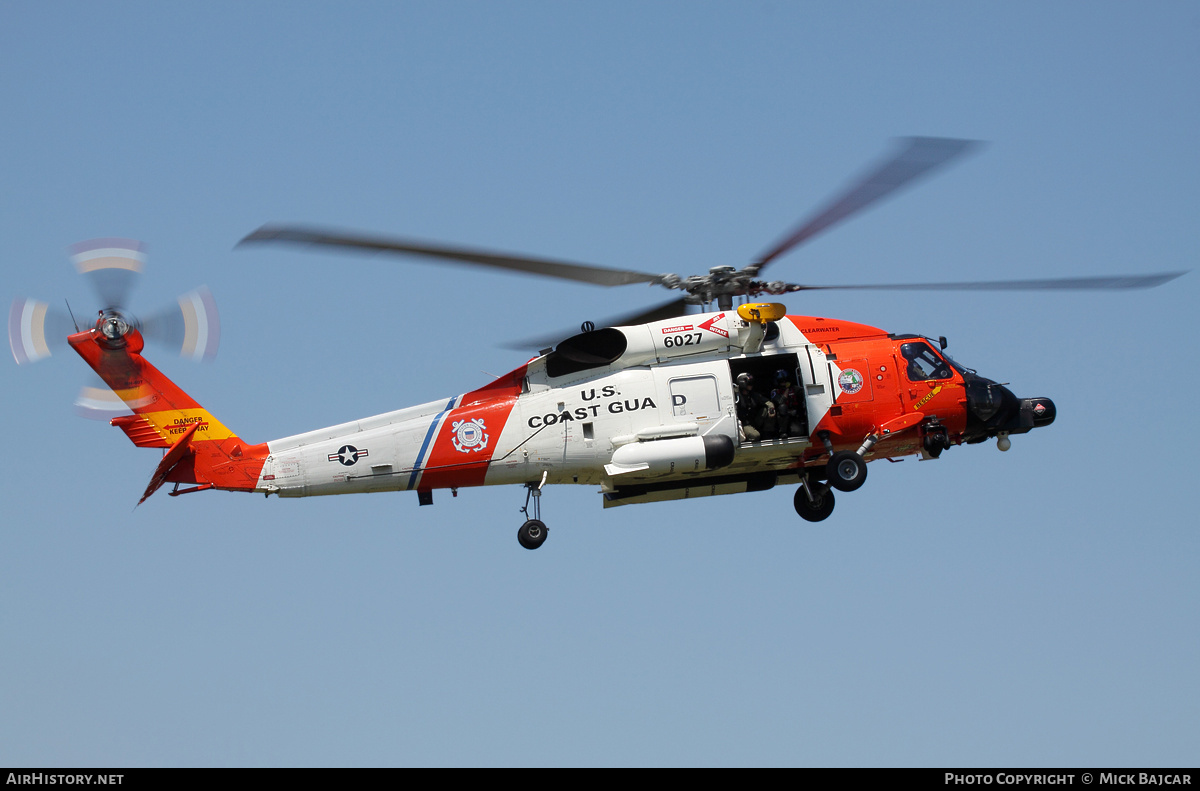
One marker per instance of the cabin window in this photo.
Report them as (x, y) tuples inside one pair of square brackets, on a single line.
[(924, 364)]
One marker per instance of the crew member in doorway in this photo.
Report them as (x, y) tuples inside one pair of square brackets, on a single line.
[(752, 409), (786, 399)]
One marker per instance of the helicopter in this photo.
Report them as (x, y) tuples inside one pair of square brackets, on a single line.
[(660, 405)]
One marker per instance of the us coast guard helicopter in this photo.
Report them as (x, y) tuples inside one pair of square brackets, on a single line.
[(662, 405)]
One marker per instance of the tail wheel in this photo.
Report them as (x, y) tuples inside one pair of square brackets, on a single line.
[(532, 534), (846, 471), (819, 507)]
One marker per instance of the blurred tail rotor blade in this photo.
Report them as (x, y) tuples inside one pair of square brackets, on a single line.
[(97, 401), (35, 329), (194, 327), (112, 266)]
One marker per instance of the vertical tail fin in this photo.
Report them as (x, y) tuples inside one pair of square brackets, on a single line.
[(202, 449)]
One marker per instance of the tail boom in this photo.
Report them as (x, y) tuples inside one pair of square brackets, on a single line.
[(201, 449)]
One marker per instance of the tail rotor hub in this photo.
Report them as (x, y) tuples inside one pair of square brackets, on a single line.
[(114, 326)]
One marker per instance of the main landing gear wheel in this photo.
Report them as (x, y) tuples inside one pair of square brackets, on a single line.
[(846, 471), (819, 507), (532, 534)]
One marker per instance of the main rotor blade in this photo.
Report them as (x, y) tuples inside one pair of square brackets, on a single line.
[(666, 310), (112, 266), (1104, 283), (586, 273), (918, 157), (676, 307)]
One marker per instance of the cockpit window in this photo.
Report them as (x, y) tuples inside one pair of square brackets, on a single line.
[(924, 363)]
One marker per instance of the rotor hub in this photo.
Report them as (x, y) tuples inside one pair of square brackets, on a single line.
[(113, 324)]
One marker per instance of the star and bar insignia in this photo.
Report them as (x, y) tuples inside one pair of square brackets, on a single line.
[(348, 454)]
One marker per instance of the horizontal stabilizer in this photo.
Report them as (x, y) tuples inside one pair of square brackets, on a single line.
[(169, 460), (141, 431)]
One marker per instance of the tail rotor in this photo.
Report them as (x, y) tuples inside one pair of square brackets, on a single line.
[(37, 330)]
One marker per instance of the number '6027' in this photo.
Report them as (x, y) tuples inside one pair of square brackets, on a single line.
[(691, 339)]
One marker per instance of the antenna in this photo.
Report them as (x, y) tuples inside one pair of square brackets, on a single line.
[(76, 323)]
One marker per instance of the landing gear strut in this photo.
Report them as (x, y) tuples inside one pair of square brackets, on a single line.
[(532, 534)]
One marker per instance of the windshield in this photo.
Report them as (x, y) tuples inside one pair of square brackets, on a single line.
[(956, 365)]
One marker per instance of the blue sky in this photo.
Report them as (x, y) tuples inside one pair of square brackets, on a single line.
[(1036, 607)]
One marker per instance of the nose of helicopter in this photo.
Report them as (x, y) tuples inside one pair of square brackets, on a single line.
[(993, 409), (1041, 410)]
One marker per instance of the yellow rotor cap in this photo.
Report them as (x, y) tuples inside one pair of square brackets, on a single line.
[(762, 312)]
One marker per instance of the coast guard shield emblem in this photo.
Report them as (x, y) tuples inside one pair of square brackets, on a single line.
[(469, 435)]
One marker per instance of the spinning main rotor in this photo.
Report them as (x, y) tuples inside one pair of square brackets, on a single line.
[(915, 158)]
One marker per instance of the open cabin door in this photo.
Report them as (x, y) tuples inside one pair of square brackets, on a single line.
[(777, 379)]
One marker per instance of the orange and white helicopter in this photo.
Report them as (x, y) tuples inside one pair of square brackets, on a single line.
[(662, 405)]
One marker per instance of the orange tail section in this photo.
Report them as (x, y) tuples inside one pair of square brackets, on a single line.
[(201, 450)]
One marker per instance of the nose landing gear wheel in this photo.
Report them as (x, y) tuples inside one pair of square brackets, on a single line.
[(846, 471), (819, 508), (532, 534)]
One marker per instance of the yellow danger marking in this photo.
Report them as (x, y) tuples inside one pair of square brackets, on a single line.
[(172, 423)]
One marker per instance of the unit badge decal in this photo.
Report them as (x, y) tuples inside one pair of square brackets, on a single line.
[(348, 454), (469, 435), (850, 381)]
